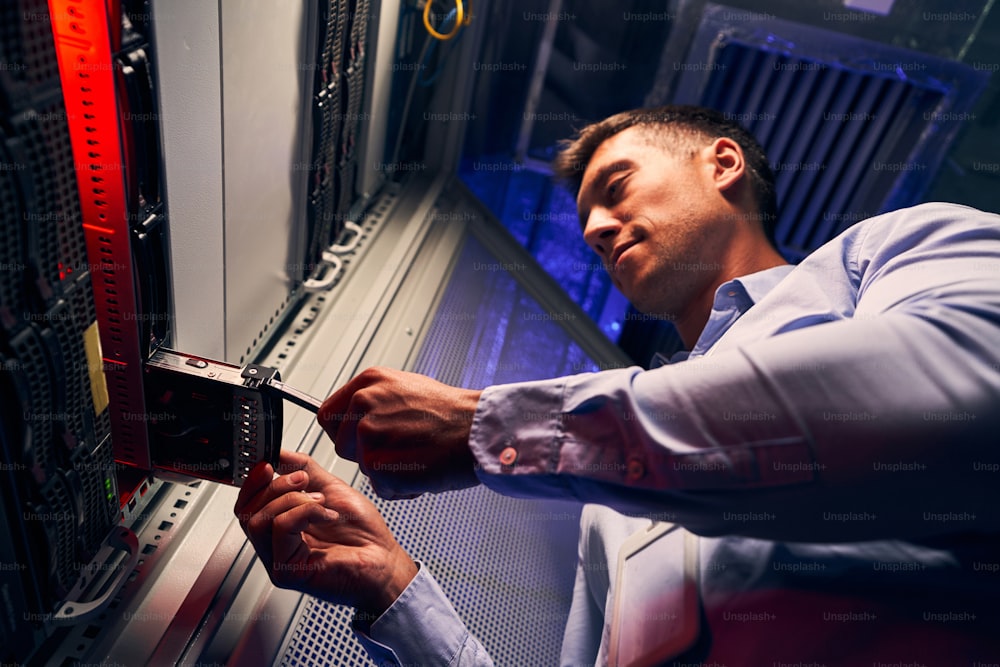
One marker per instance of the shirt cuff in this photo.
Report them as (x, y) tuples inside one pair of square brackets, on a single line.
[(420, 628), (517, 433), (542, 433)]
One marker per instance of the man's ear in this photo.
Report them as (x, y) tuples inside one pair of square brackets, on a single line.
[(729, 165)]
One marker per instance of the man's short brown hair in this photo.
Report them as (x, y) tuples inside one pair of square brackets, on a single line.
[(675, 127)]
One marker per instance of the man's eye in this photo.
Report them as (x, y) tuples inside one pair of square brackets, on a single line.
[(615, 188)]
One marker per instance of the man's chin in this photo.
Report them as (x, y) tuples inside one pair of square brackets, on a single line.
[(652, 313), (661, 317)]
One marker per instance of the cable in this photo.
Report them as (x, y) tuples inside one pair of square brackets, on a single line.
[(460, 20), (408, 101), (425, 52), (443, 58)]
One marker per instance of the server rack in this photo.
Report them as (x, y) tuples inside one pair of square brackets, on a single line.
[(352, 264)]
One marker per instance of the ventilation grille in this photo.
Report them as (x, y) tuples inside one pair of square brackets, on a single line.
[(100, 495), (53, 210), (59, 517), (26, 44), (78, 412), (12, 250), (29, 351), (853, 128)]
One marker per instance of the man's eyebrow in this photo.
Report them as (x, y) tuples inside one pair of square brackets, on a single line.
[(602, 176), (605, 172)]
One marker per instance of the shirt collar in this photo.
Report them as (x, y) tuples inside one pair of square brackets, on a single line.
[(757, 285), (732, 299)]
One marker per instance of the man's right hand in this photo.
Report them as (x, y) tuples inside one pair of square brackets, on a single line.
[(408, 432), (316, 534)]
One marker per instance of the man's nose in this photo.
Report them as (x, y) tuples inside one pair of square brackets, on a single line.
[(600, 231)]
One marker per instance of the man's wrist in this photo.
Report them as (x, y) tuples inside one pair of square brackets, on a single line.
[(401, 571), (465, 454)]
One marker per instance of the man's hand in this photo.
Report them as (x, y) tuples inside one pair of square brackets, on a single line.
[(316, 534), (409, 433)]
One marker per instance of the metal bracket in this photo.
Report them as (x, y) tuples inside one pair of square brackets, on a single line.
[(71, 612)]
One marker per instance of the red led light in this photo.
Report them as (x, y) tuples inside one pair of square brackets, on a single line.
[(85, 40)]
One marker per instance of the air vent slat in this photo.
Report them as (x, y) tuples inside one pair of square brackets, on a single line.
[(864, 128), (848, 128), (793, 108), (721, 85), (762, 90), (774, 113), (894, 155), (787, 180)]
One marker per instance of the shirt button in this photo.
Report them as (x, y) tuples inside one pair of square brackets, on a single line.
[(508, 456), (635, 470)]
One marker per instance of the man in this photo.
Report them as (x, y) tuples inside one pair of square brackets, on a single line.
[(828, 434)]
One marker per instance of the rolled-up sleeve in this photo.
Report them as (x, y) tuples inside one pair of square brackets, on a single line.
[(879, 423), (421, 628)]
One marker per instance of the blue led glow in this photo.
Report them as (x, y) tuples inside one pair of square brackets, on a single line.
[(541, 215)]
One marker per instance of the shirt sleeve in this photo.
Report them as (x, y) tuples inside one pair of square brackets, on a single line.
[(421, 628), (882, 423)]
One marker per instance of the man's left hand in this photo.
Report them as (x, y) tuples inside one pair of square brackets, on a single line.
[(316, 534)]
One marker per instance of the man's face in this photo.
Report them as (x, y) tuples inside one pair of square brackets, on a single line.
[(654, 219)]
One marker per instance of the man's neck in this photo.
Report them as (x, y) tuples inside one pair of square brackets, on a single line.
[(691, 323)]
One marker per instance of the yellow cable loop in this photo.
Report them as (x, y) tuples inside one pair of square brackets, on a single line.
[(459, 19)]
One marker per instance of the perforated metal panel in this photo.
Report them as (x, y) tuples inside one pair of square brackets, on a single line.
[(506, 564)]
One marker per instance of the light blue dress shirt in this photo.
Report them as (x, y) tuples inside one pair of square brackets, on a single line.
[(835, 445)]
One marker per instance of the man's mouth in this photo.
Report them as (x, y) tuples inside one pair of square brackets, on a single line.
[(620, 250)]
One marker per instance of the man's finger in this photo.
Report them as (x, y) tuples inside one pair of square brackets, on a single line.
[(275, 487), (289, 461), (337, 407), (286, 538), (255, 482), (343, 409), (340, 424), (318, 476), (260, 524)]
